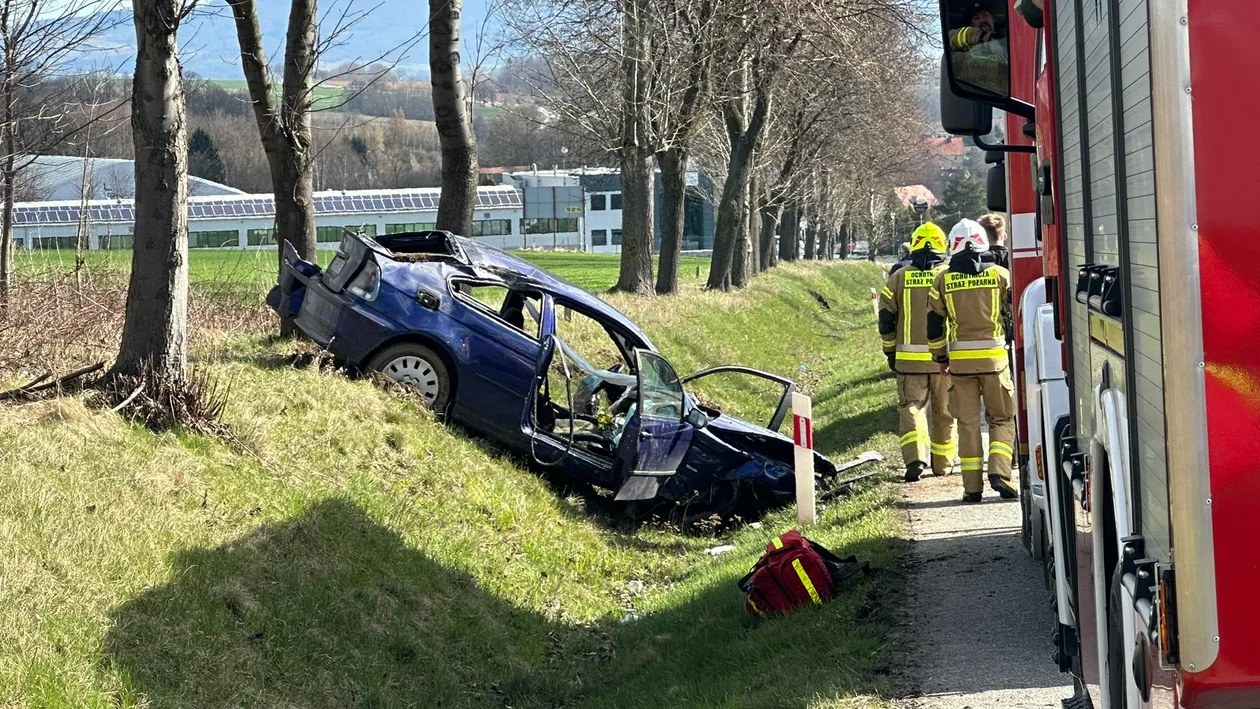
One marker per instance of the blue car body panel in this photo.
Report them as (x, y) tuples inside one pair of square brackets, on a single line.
[(496, 367)]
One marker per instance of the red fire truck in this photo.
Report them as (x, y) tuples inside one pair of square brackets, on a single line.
[(1138, 327)]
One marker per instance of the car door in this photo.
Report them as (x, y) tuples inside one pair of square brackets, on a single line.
[(787, 386), (657, 435)]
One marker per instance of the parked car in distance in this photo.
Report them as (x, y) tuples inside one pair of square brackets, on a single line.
[(539, 366)]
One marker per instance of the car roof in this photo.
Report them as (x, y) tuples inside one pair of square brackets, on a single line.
[(508, 266)]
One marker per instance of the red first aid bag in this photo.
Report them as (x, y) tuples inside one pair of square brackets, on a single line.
[(793, 572)]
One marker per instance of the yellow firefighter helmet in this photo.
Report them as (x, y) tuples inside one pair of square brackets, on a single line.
[(928, 235)]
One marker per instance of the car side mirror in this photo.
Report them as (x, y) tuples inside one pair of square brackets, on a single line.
[(697, 417)]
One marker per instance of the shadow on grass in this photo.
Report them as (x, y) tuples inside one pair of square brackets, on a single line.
[(332, 609), (850, 431)]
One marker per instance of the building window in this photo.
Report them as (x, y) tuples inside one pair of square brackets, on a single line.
[(60, 243), (333, 234), (111, 241), (549, 226), (616, 200), (598, 203), (599, 237), (616, 236), (213, 239), (408, 227), (260, 237), (492, 227)]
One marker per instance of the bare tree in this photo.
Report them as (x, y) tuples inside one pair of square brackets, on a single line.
[(688, 54), (155, 329), (285, 129), (38, 38), (453, 116)]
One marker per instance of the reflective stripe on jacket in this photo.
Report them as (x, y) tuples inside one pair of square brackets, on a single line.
[(975, 307), (903, 318)]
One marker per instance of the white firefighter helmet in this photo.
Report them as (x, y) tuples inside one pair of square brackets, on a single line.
[(967, 232)]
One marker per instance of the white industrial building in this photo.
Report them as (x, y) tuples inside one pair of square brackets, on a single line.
[(62, 177), (248, 220)]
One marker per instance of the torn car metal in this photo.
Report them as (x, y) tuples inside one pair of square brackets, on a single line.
[(413, 306)]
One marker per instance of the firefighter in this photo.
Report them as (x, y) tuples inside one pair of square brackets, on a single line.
[(979, 29), (969, 301), (903, 329)]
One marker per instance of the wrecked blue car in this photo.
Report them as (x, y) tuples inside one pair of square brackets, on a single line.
[(539, 366)]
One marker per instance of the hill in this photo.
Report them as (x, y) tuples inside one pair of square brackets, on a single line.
[(208, 38)]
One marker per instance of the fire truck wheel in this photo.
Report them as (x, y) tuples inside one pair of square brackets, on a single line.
[(1116, 674)]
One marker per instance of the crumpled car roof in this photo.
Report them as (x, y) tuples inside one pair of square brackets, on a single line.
[(514, 269)]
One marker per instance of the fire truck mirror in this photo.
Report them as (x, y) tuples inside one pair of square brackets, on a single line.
[(975, 36), (995, 189), (960, 116)]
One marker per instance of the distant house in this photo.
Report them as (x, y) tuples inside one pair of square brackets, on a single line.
[(912, 195), (60, 177)]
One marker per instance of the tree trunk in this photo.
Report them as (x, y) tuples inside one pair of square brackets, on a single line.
[(637, 181), (811, 233), (6, 220), (741, 269), (673, 164), (730, 212), (843, 239), (9, 175), (770, 216), (295, 207), (453, 119), (285, 131), (789, 232), (155, 328), (752, 224), (635, 151)]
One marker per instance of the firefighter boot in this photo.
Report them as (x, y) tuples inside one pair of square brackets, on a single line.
[(971, 496), (1002, 487), (915, 470)]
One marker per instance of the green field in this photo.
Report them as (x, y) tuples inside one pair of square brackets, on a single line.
[(342, 548), (247, 274), (325, 96)]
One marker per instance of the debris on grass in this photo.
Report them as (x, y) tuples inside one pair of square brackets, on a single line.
[(160, 402)]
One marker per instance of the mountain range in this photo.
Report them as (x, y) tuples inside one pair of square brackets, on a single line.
[(208, 37)]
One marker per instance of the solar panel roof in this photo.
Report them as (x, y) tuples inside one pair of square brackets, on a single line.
[(232, 206)]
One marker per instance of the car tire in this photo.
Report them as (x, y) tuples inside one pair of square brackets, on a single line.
[(418, 367)]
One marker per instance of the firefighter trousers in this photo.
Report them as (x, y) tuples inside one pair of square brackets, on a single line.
[(914, 392), (965, 396)]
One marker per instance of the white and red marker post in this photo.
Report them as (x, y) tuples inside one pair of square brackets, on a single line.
[(803, 437)]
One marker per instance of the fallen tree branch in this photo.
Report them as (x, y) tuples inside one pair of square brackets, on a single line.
[(14, 393), (29, 389), (130, 398)]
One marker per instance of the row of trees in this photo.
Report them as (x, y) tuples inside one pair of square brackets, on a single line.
[(805, 109)]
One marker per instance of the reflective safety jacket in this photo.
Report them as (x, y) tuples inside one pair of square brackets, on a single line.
[(970, 303), (903, 312)]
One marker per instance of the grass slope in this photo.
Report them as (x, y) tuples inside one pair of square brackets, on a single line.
[(350, 551)]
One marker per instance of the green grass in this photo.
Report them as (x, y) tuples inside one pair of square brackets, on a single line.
[(347, 550), (325, 96), (246, 274)]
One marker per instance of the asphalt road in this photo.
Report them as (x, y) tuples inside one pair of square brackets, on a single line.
[(975, 624)]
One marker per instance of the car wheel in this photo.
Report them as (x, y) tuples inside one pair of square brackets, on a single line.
[(419, 368)]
